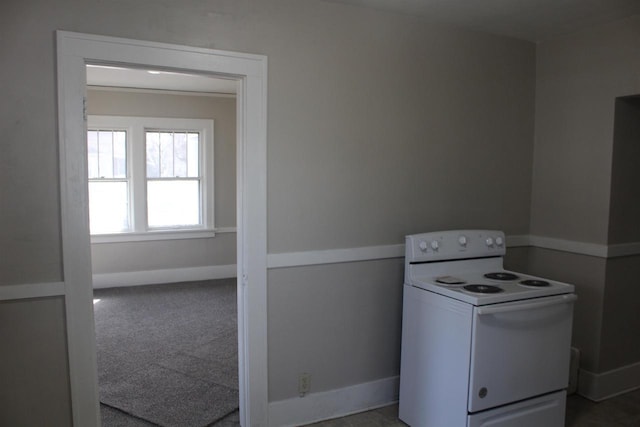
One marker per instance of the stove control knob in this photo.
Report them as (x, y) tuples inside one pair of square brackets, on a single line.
[(489, 241), (423, 246), (435, 245), (462, 240), (499, 241)]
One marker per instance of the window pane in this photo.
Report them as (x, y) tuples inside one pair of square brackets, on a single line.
[(166, 154), (105, 154), (193, 155), (92, 153), (108, 207), (173, 203), (119, 154), (180, 154), (153, 154)]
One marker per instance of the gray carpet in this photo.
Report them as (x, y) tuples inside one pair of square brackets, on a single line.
[(167, 354)]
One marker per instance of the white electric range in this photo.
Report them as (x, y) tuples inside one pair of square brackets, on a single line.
[(481, 346)]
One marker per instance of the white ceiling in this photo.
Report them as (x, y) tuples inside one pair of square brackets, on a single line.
[(533, 20), (113, 76)]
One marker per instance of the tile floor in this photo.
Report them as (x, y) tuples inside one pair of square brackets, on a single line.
[(620, 411), (115, 418), (623, 410)]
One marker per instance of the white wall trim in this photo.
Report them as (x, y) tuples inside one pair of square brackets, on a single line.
[(518, 241), (623, 249), (331, 256), (334, 403), (584, 248), (608, 384), (162, 91), (219, 230), (172, 275), (97, 239), (591, 249), (31, 290), (369, 253)]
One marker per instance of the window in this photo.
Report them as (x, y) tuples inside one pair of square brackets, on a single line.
[(108, 180), (149, 177), (173, 179)]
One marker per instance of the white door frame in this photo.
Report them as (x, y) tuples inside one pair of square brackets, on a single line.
[(74, 51)]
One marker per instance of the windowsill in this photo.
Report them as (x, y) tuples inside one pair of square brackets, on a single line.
[(159, 235)]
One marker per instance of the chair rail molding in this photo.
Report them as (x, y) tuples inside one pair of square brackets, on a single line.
[(31, 290)]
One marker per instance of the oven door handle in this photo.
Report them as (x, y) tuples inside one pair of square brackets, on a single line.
[(499, 308)]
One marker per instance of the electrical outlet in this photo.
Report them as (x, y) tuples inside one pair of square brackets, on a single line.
[(304, 383)]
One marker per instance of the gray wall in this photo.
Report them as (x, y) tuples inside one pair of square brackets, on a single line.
[(341, 323), (582, 181), (620, 323), (578, 78), (33, 363), (389, 126), (624, 207), (379, 125), (588, 275), (620, 320), (164, 254)]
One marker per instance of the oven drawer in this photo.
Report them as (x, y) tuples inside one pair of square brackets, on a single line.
[(519, 350), (547, 411)]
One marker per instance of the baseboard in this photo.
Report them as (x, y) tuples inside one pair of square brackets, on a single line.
[(608, 384), (334, 403), (173, 275)]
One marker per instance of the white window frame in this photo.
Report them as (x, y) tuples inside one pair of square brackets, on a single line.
[(136, 127)]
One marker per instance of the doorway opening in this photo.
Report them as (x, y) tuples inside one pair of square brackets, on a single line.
[(161, 151), (74, 52)]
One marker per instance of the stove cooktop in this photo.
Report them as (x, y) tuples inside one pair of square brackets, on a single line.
[(482, 288)]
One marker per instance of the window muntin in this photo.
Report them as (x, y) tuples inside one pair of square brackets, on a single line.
[(168, 170), (172, 154)]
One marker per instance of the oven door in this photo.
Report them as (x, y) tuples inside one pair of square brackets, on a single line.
[(519, 350)]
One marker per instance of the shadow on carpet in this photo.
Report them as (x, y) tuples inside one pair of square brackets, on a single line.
[(168, 353)]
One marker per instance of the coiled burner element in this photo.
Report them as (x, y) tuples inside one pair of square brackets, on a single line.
[(483, 289), (535, 283), (501, 276)]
